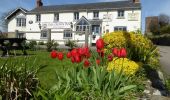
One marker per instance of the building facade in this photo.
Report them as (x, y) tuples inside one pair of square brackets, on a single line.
[(73, 21)]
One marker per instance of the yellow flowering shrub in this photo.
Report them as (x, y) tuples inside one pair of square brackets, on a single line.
[(123, 39), (128, 67), (139, 47)]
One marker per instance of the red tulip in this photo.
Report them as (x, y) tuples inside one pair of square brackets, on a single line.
[(118, 53), (100, 44), (77, 58), (74, 52), (81, 51), (72, 59), (115, 51), (53, 54), (123, 52), (97, 61), (110, 57), (86, 63), (60, 56), (68, 54)]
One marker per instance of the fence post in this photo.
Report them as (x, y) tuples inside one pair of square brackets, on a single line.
[(16, 33), (49, 34), (86, 38)]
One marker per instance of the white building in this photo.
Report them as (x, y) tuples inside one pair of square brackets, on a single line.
[(73, 21)]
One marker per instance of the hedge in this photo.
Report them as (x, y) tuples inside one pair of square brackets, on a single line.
[(163, 40)]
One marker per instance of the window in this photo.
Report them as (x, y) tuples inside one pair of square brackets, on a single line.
[(38, 18), (96, 29), (120, 13), (96, 15), (82, 26), (120, 28), (21, 22), (44, 34), (76, 15), (67, 34), (56, 17)]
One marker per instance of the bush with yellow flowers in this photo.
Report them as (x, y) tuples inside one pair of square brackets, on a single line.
[(128, 67), (139, 47)]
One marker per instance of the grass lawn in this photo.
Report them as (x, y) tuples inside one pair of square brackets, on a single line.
[(41, 58)]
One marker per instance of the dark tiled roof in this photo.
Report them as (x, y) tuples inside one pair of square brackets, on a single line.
[(13, 12), (88, 6)]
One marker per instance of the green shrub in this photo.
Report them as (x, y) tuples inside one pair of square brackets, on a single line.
[(32, 45), (41, 43), (51, 45), (70, 43), (17, 80), (161, 39)]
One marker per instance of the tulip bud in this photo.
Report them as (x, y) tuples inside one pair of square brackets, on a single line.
[(110, 57), (53, 54), (86, 63)]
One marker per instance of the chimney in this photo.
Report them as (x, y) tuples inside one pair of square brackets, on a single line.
[(39, 3), (136, 1)]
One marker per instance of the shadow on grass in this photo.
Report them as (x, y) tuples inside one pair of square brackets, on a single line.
[(157, 82)]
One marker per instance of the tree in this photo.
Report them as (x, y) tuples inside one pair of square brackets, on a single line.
[(163, 20), (3, 21)]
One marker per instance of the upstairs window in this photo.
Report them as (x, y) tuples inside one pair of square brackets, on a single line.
[(96, 15), (76, 15), (56, 17), (121, 14), (38, 18), (21, 22), (120, 28), (67, 34)]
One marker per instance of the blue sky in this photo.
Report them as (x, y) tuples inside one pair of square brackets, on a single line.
[(149, 7)]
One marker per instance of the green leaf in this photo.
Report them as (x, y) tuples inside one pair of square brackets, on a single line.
[(126, 88)]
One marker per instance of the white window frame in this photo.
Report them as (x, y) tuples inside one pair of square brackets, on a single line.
[(42, 34), (76, 16), (65, 34), (121, 14), (120, 28), (38, 17), (56, 16), (96, 15), (21, 22)]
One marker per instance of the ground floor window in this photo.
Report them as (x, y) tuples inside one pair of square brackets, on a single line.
[(67, 34), (120, 28), (96, 29), (44, 34)]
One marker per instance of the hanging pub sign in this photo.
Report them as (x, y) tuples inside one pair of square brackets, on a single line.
[(107, 17), (56, 25), (133, 16)]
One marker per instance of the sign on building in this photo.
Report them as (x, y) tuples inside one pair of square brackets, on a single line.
[(56, 25), (133, 16), (107, 17)]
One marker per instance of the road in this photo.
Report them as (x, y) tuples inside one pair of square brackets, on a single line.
[(165, 58)]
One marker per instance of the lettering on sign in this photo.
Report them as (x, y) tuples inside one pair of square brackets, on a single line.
[(56, 25), (133, 16), (107, 17)]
